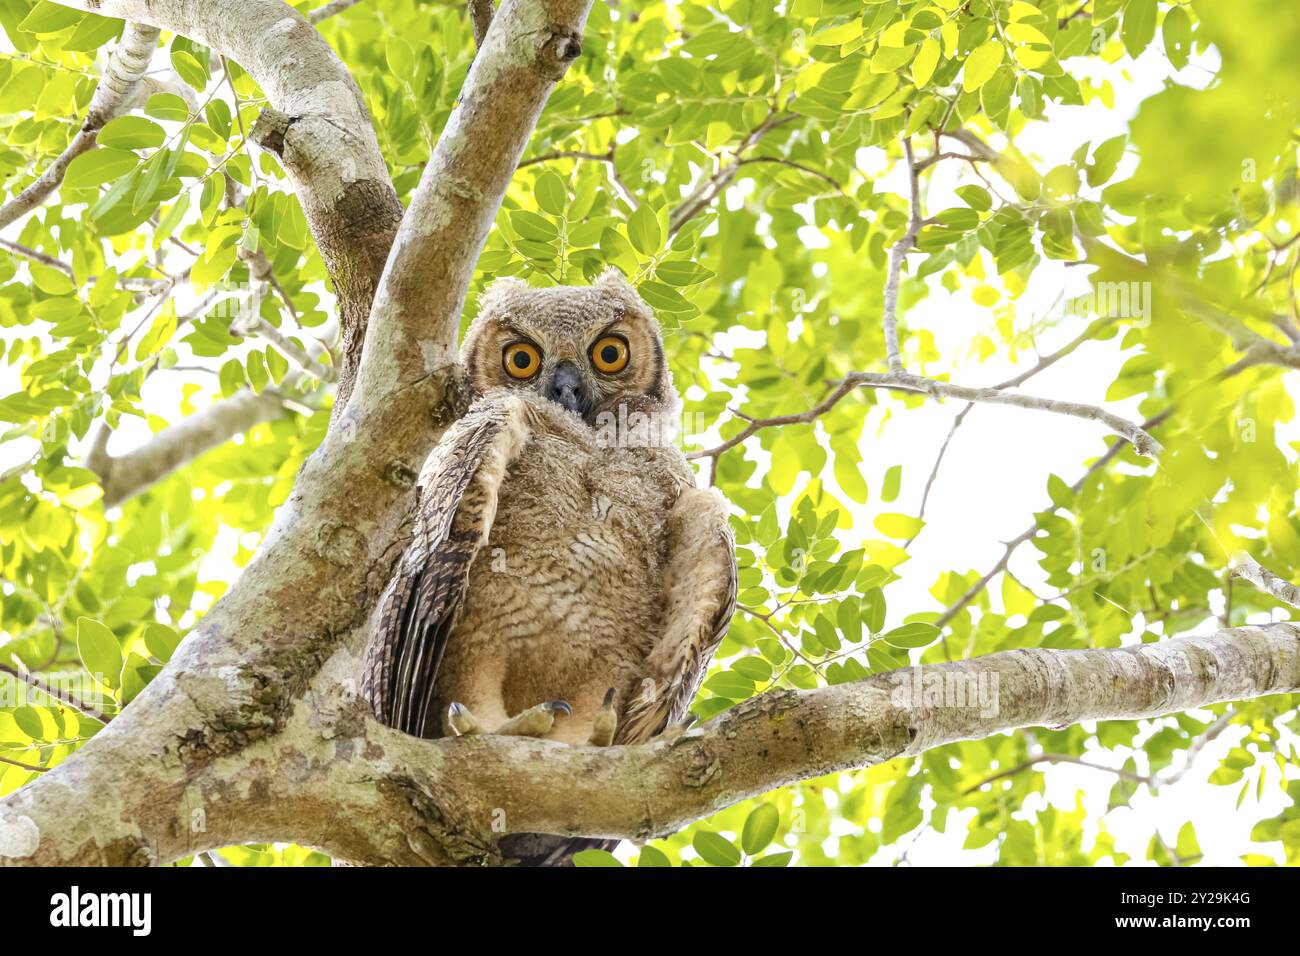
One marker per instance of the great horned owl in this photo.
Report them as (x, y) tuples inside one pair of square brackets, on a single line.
[(566, 579)]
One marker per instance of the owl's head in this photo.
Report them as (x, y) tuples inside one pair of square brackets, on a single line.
[(587, 348)]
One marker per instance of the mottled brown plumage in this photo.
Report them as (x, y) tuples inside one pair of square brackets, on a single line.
[(561, 549)]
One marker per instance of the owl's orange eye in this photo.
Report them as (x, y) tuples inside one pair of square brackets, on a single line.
[(521, 360), (610, 354)]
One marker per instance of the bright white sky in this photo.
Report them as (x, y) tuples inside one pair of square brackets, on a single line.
[(993, 478)]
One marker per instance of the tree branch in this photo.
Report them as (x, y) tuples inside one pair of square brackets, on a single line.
[(124, 476), (330, 9), (412, 330), (318, 126), (113, 96), (366, 793), (1143, 443), (1248, 569), (709, 188), (68, 700), (896, 256)]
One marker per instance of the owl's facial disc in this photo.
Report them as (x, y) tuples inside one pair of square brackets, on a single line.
[(565, 386)]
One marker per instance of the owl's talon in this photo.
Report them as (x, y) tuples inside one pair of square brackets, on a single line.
[(462, 721), (647, 690), (602, 730), (536, 721)]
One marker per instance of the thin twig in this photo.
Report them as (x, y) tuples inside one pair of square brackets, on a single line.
[(36, 683), (330, 9), (1143, 443), (896, 257), (1248, 569)]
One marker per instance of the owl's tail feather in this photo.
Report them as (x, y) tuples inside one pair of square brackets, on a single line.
[(540, 849)]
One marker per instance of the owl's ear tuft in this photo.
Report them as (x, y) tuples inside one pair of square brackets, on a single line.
[(499, 291), (612, 279)]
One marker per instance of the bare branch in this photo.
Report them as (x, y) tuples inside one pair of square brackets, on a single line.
[(709, 188), (1154, 781), (54, 693), (292, 350), (1248, 569), (606, 157), (259, 270), (124, 476), (330, 9), (133, 283), (125, 67), (896, 256), (1141, 440)]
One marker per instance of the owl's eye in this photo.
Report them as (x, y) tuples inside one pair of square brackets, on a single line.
[(610, 354), (522, 360)]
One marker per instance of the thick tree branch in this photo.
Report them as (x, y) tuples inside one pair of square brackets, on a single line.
[(412, 330), (113, 96), (317, 124), (334, 779)]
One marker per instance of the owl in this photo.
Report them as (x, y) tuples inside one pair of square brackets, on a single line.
[(566, 578)]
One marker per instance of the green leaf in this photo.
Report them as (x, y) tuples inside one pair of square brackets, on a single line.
[(651, 857), (191, 70), (899, 526), (132, 132), (977, 197), (29, 722), (595, 857), (643, 230), (100, 652), (98, 166), (47, 17), (760, 827), (161, 640), (911, 635), (551, 193), (715, 849), (167, 106), (1139, 25), (1177, 34), (981, 65), (927, 58)]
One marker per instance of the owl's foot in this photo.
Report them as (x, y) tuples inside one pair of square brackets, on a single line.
[(462, 721), (535, 721), (602, 731)]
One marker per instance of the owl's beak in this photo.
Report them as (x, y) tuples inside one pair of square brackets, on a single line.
[(565, 387)]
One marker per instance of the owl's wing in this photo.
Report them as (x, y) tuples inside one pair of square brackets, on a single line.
[(701, 592), (454, 516)]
